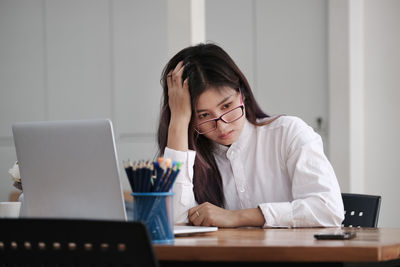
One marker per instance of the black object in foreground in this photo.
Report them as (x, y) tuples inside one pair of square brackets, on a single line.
[(65, 242)]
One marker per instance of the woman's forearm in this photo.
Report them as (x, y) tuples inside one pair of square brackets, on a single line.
[(178, 135), (249, 217)]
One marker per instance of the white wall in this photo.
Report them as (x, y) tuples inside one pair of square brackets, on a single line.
[(364, 90), (82, 59), (346, 100), (364, 84), (22, 86), (233, 32), (382, 109)]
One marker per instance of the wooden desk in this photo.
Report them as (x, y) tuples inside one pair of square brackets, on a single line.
[(283, 245)]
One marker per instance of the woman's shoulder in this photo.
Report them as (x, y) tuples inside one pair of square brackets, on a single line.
[(283, 121), (287, 129)]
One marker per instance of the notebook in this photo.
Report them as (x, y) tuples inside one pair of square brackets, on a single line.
[(69, 169), (188, 229)]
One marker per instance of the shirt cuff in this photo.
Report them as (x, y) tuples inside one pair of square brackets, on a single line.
[(278, 214), (187, 158)]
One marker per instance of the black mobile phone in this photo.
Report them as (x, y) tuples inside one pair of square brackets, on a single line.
[(335, 236)]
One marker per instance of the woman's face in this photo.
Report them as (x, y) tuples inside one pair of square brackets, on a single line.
[(215, 102)]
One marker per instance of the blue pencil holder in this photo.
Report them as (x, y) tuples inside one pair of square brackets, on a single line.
[(155, 210)]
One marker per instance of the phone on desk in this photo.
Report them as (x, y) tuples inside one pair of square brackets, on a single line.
[(335, 236)]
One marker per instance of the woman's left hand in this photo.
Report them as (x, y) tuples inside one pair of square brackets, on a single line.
[(208, 214)]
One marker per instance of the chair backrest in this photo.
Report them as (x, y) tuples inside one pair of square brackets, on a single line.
[(361, 210), (58, 242)]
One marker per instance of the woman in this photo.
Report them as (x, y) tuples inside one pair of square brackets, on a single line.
[(241, 167)]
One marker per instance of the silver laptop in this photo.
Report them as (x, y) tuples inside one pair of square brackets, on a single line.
[(69, 169)]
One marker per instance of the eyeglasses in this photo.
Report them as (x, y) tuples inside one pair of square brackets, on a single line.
[(228, 117)]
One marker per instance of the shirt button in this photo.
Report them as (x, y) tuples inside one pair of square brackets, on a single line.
[(241, 190)]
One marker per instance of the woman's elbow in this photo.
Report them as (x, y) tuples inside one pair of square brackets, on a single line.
[(333, 214)]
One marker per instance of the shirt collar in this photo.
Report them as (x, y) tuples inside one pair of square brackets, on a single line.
[(240, 143)]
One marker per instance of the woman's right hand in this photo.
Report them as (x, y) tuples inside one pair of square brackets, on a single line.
[(179, 96), (181, 111)]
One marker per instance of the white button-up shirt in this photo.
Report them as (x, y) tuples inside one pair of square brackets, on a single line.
[(280, 168)]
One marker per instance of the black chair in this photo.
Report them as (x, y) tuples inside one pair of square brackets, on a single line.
[(361, 210), (58, 242)]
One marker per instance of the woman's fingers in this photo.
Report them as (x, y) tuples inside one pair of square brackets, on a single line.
[(177, 74), (178, 67), (208, 214), (198, 215), (197, 218), (174, 77), (169, 79), (194, 214), (186, 85)]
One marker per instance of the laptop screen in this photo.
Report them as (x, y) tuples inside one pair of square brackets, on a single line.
[(69, 169)]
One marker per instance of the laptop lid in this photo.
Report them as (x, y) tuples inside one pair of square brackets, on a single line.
[(69, 169)]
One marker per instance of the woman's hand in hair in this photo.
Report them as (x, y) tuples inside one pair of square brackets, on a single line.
[(178, 95), (208, 214)]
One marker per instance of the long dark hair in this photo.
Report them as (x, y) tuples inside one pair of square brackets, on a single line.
[(206, 65)]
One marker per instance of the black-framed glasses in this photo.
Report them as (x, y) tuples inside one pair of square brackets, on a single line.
[(228, 117)]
